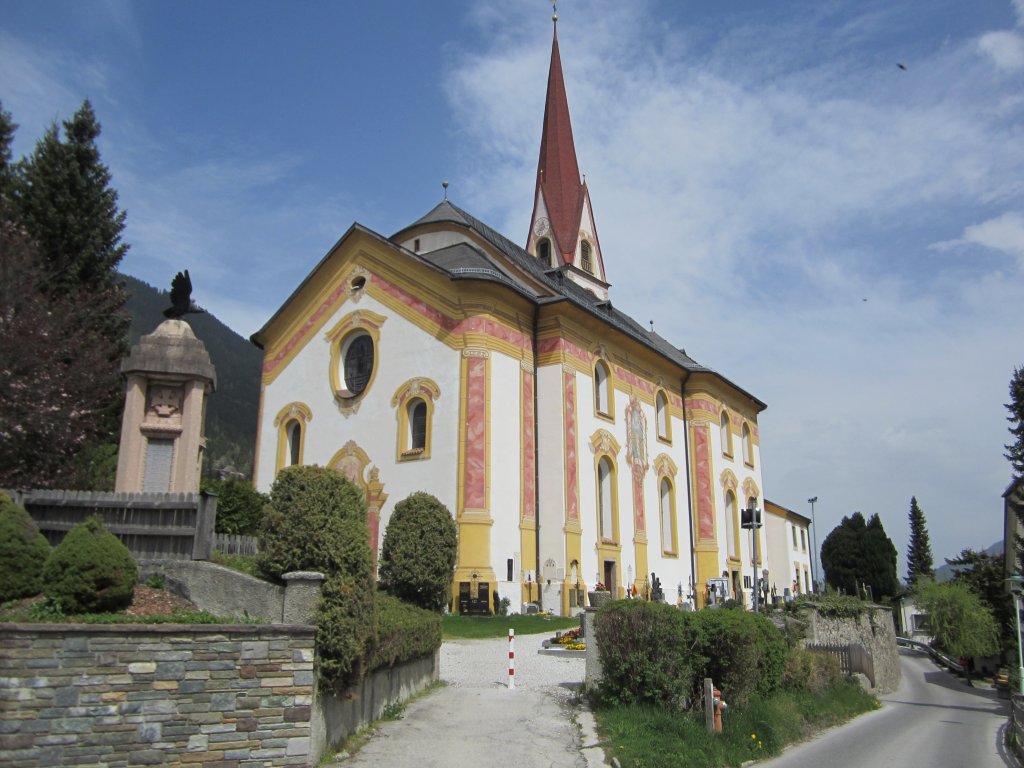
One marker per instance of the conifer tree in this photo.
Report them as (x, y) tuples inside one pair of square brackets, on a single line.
[(62, 322), (919, 549), (858, 554), (1015, 455)]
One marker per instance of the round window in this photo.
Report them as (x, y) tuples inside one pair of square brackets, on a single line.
[(357, 359)]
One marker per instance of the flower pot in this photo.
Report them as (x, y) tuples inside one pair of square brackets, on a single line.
[(597, 599)]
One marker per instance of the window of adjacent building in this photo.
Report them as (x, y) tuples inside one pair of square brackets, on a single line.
[(602, 389), (585, 260), (730, 523), (357, 360), (748, 448), (794, 537), (796, 579), (807, 581), (668, 521), (726, 433), (605, 498), (661, 414), (803, 539), (544, 252), (291, 422)]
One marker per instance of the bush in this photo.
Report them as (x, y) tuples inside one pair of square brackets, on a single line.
[(346, 621), (650, 653), (239, 506), (90, 571), (810, 671), (404, 632), (23, 552), (745, 653), (418, 555), (303, 529)]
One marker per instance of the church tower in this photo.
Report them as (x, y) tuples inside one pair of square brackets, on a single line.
[(563, 235)]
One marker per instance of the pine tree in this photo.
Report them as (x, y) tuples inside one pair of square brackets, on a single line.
[(7, 129), (63, 325), (919, 549), (859, 554)]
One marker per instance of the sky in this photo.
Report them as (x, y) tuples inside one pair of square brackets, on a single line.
[(841, 236)]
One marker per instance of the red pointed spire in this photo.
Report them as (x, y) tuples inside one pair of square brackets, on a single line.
[(558, 173)]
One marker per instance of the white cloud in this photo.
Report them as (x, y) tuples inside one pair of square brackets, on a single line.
[(1004, 234), (1005, 48)]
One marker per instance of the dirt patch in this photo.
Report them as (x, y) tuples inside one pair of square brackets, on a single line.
[(157, 602)]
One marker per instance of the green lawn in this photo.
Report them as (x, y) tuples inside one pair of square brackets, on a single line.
[(498, 626), (654, 737)]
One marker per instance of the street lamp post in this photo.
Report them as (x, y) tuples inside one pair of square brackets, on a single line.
[(814, 551), (1016, 586), (751, 518)]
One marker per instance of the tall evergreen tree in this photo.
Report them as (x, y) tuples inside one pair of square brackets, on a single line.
[(61, 318), (859, 554), (1015, 455), (919, 549), (7, 129)]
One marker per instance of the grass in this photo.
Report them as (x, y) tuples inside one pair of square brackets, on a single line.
[(475, 627), (643, 736), (243, 563)]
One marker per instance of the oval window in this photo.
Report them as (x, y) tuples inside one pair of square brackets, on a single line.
[(357, 360)]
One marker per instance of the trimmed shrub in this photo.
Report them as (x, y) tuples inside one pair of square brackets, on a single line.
[(90, 571), (810, 671), (346, 624), (23, 552), (418, 555), (239, 506), (302, 528), (404, 633), (650, 652), (745, 652)]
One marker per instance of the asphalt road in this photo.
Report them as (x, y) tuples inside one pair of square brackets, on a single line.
[(933, 720)]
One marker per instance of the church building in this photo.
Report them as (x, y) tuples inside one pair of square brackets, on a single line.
[(573, 446)]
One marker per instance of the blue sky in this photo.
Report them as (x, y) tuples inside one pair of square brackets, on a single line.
[(842, 237)]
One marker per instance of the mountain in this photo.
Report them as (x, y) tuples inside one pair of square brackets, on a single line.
[(232, 408)]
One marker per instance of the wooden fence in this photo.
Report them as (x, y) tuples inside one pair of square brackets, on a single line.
[(234, 544), (168, 526), (852, 659)]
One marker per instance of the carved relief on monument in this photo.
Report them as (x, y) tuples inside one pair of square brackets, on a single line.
[(163, 406)]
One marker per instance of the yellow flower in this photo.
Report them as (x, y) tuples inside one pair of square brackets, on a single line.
[(753, 735)]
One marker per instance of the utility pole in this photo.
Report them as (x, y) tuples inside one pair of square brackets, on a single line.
[(814, 552)]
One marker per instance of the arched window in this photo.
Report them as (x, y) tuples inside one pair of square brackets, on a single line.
[(748, 448), (585, 261), (605, 499), (358, 359), (668, 521), (354, 348), (726, 433), (291, 422), (661, 413), (414, 404), (417, 424), (730, 524), (602, 389), (544, 252), (293, 434)]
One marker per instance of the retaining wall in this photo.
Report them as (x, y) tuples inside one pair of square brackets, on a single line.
[(125, 695), (873, 629)]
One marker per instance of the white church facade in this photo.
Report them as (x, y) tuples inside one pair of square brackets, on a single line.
[(571, 444)]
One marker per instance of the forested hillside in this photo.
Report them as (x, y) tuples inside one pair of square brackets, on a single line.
[(231, 414)]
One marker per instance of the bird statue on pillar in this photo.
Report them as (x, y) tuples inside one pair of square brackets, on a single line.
[(181, 297)]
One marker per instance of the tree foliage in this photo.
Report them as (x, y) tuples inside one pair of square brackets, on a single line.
[(419, 550), (960, 622), (919, 548), (61, 317), (859, 554), (983, 574), (1015, 455), (23, 552), (239, 505), (90, 571)]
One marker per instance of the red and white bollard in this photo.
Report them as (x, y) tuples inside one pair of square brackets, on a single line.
[(511, 658)]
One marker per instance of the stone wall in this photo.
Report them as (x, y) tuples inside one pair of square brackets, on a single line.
[(873, 629), (120, 695)]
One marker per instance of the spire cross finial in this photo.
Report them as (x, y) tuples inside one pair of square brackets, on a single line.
[(554, 11), (445, 185)]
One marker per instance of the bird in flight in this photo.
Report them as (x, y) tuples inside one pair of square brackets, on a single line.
[(181, 297)]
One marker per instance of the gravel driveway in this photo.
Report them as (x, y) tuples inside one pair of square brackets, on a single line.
[(477, 722)]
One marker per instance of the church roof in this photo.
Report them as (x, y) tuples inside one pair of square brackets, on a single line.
[(559, 288)]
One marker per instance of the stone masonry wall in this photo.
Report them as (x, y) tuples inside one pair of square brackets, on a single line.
[(219, 696), (873, 629)]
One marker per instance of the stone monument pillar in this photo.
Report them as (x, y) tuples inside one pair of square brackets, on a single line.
[(169, 375)]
